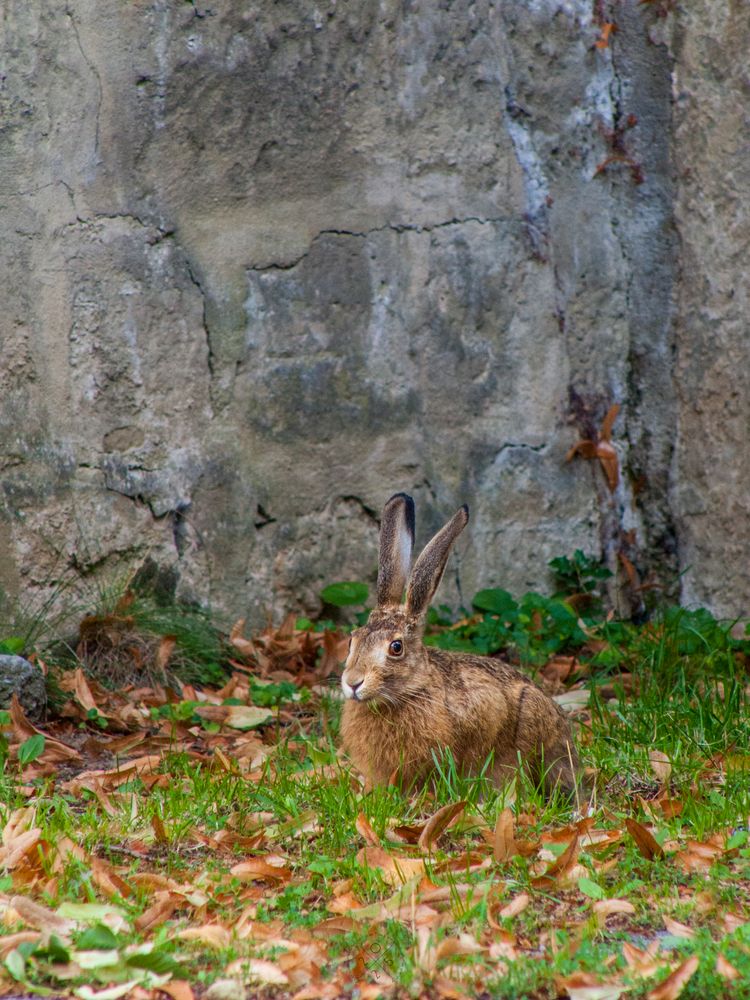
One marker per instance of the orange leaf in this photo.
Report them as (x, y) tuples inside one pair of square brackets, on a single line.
[(504, 843), (108, 880), (243, 646), (671, 987), (678, 929), (725, 968), (10, 941), (605, 432), (258, 870), (165, 650), (586, 449), (178, 989), (158, 913), (366, 831), (630, 570), (645, 840), (159, 829), (55, 752), (607, 30), (517, 905), (438, 823), (607, 456), (604, 908), (41, 918), (560, 867), (395, 870)]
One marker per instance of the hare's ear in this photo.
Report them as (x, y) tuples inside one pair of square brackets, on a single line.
[(429, 568), (396, 543)]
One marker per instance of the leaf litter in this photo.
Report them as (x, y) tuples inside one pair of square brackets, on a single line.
[(149, 898)]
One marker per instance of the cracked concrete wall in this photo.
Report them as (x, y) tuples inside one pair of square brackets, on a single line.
[(267, 264)]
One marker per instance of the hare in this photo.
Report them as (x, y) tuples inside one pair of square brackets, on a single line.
[(405, 701)]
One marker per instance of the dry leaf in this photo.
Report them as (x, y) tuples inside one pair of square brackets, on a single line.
[(517, 905), (214, 935), (504, 844), (725, 968), (673, 985), (438, 823), (55, 752), (258, 870), (366, 831), (604, 908), (642, 962), (677, 929), (165, 905), (40, 917), (178, 989), (243, 646), (559, 868), (395, 870), (660, 765), (645, 840)]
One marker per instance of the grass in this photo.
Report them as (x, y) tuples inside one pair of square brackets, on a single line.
[(271, 864)]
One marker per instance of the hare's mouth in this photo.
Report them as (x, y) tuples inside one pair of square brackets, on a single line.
[(356, 692)]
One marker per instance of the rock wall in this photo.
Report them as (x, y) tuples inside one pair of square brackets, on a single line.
[(268, 263)]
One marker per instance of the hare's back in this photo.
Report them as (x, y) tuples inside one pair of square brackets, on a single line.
[(458, 668)]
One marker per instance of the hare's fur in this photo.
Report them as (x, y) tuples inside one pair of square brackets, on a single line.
[(401, 710)]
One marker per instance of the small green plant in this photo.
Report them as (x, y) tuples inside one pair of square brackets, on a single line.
[(533, 629), (579, 576)]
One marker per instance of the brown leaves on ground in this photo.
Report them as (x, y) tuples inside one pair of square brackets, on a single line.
[(289, 653), (420, 875)]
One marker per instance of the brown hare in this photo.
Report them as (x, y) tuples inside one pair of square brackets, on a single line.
[(405, 701)]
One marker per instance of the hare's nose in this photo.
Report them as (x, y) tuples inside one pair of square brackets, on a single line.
[(354, 686)]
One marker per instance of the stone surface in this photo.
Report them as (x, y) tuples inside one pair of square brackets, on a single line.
[(19, 677), (268, 263)]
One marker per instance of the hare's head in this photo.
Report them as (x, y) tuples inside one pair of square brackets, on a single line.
[(387, 661)]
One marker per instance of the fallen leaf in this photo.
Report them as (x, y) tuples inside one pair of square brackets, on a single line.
[(258, 970), (438, 823), (214, 935), (55, 751), (395, 870), (642, 962), (43, 919), (660, 765), (10, 941), (259, 870), (677, 929), (725, 968), (110, 993), (645, 840), (604, 908), (559, 868), (178, 989), (243, 646), (108, 880), (673, 985), (366, 831), (160, 911), (164, 652), (247, 716), (504, 843), (517, 905)]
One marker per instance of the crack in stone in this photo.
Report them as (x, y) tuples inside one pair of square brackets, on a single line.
[(207, 333), (396, 227), (97, 76), (521, 445)]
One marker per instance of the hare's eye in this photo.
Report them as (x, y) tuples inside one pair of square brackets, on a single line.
[(396, 648)]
